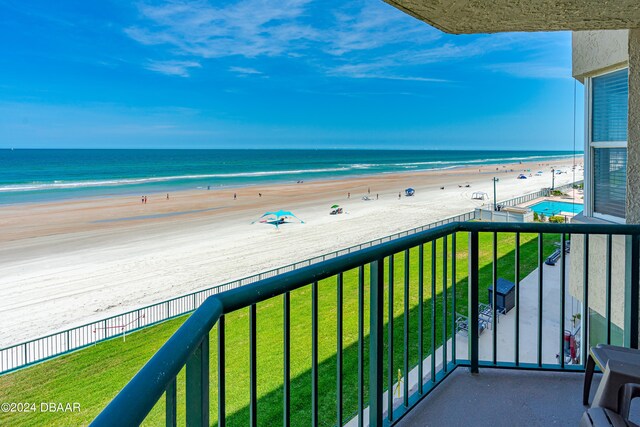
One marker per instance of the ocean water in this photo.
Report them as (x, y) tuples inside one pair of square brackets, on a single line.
[(44, 175)]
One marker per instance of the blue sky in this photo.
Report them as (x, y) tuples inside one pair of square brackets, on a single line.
[(286, 74)]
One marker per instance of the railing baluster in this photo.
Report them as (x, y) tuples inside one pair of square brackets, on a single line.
[(540, 278), (585, 303), (433, 311), (494, 299), (563, 269), (632, 290), (314, 354), (171, 405), (253, 381), (286, 339), (453, 297), (608, 287), (197, 385), (376, 343), (390, 373), (420, 317), (473, 301), (517, 302), (445, 255), (406, 329), (339, 362), (360, 346), (221, 374)]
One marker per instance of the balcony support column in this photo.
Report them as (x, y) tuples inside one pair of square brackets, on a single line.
[(633, 197)]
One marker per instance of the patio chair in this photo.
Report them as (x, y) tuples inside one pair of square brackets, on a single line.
[(600, 355), (596, 417)]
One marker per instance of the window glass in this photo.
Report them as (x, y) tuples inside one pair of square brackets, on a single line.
[(610, 181), (609, 107)]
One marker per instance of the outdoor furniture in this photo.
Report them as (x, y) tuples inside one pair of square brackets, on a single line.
[(596, 416), (462, 325), (620, 366), (601, 417), (505, 295)]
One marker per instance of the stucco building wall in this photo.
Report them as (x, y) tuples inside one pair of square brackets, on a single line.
[(597, 51), (597, 274)]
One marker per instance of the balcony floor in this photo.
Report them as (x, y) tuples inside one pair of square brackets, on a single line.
[(501, 397)]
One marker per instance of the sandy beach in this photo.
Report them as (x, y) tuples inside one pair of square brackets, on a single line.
[(67, 263)]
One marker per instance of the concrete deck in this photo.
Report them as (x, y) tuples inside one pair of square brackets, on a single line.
[(500, 397)]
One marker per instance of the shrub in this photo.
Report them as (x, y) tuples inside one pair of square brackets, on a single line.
[(559, 219), (536, 217), (543, 218)]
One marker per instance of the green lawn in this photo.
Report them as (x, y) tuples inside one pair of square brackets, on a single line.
[(94, 375)]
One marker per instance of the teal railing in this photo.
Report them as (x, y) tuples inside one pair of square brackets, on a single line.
[(437, 334)]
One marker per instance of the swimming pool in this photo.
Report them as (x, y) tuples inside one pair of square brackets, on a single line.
[(550, 208)]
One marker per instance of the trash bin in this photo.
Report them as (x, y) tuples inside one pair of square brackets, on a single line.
[(505, 295)]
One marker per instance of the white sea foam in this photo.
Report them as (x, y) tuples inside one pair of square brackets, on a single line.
[(57, 184), (438, 165)]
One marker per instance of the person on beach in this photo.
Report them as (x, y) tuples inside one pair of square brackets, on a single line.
[(260, 194), (145, 200), (369, 190), (208, 187), (348, 195), (235, 196), (400, 195), (142, 199), (376, 196), (167, 196)]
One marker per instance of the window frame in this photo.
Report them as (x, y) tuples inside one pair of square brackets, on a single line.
[(591, 145)]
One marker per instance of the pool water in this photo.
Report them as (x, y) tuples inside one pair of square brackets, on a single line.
[(550, 208)]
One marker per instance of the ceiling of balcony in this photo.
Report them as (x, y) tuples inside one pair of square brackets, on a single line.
[(493, 16)]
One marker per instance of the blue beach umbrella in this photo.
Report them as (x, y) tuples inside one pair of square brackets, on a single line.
[(277, 217)]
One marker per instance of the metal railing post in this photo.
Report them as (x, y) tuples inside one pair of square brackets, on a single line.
[(222, 413), (171, 419), (376, 342), (197, 386), (473, 301), (631, 292)]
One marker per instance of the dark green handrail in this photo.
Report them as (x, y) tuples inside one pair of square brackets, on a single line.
[(139, 396)]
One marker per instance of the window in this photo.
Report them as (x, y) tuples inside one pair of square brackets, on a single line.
[(608, 143), (610, 181)]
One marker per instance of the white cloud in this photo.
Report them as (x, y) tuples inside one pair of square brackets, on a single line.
[(358, 39), (532, 70), (244, 70), (173, 68), (249, 28)]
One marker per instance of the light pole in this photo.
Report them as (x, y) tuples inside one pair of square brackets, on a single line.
[(553, 179), (495, 201)]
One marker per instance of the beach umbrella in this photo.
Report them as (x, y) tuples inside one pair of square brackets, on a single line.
[(335, 207), (277, 217)]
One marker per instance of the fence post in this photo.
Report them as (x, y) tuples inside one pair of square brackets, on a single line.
[(376, 343), (473, 301)]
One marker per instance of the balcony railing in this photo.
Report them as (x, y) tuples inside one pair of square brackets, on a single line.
[(440, 276)]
